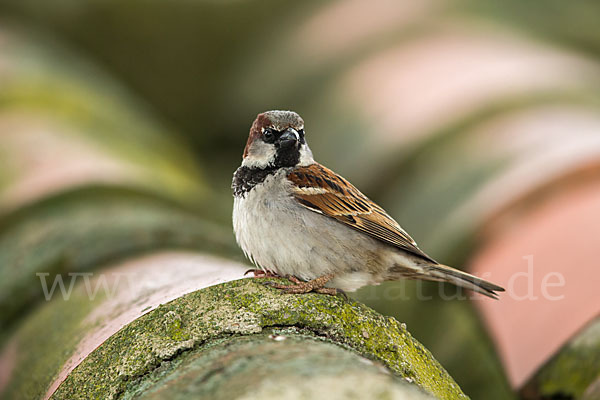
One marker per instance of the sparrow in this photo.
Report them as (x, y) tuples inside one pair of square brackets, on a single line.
[(295, 218)]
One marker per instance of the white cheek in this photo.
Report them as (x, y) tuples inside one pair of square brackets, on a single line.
[(306, 156), (260, 155)]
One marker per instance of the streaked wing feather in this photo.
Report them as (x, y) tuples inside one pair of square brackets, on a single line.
[(321, 190)]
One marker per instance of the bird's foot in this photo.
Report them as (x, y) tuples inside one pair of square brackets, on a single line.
[(259, 273), (316, 285)]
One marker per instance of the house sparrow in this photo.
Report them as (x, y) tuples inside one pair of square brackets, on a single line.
[(294, 217)]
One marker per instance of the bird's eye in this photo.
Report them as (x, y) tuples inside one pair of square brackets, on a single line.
[(269, 135), (301, 134)]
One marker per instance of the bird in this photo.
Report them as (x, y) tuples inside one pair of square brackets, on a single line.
[(295, 218)]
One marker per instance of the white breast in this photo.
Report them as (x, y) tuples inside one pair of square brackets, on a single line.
[(280, 235)]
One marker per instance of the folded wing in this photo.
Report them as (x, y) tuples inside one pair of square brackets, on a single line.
[(323, 191)]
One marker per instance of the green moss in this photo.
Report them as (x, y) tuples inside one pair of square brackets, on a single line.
[(464, 349), (174, 327), (574, 368), (246, 307)]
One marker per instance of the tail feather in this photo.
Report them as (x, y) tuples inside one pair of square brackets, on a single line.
[(445, 273)]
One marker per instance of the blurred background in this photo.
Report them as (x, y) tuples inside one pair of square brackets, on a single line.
[(476, 124)]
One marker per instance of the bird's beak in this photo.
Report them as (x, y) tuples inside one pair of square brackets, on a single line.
[(290, 137)]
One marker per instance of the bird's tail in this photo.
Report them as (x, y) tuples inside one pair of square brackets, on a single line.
[(439, 272)]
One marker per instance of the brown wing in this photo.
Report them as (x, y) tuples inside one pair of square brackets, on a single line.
[(322, 190)]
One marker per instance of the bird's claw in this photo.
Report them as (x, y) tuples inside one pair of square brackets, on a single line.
[(316, 285)]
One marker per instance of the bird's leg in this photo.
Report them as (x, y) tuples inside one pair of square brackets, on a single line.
[(316, 285), (259, 273)]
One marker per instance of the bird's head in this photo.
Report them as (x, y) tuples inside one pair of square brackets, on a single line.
[(277, 140)]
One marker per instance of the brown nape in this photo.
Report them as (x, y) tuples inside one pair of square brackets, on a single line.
[(261, 121)]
